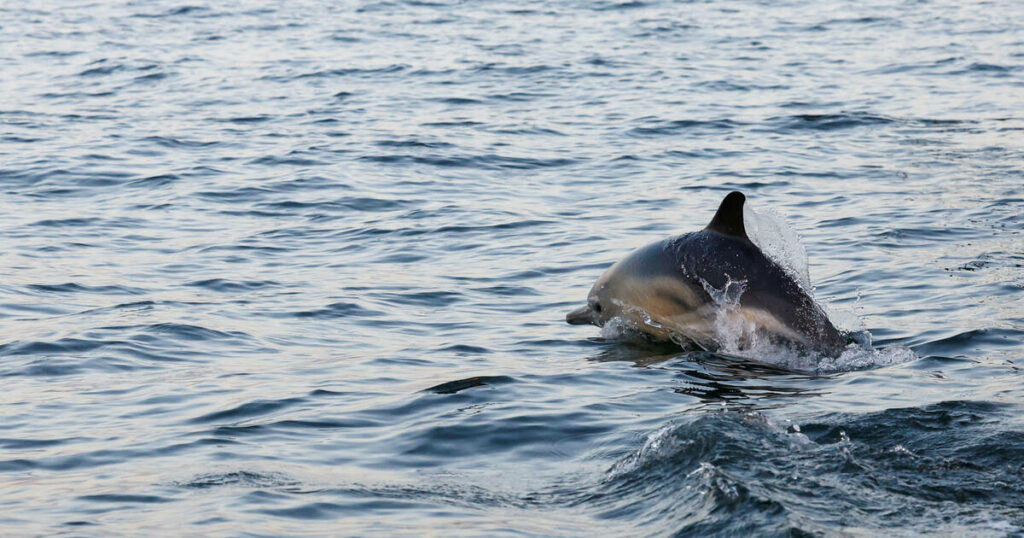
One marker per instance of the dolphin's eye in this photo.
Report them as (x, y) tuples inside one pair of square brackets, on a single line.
[(596, 306)]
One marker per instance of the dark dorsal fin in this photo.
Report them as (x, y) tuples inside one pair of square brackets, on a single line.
[(729, 218)]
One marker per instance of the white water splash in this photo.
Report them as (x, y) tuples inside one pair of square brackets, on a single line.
[(741, 337), (733, 333), (672, 439), (768, 230), (619, 328), (659, 445), (715, 482), (854, 357)]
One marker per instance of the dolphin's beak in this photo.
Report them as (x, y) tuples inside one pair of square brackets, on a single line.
[(580, 316)]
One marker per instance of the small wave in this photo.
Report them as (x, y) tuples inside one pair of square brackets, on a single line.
[(829, 122), (151, 77), (619, 6), (249, 119), (247, 479), (185, 331), (342, 38), (528, 435), (63, 345), (62, 460), (346, 204), (526, 131), (424, 298), (519, 97), (292, 426), (53, 53), (693, 468), (172, 142), (73, 287), (696, 472), (75, 95), (412, 143), (458, 101), (966, 341), (863, 20), (242, 194), (483, 162), (231, 286), (72, 222), (452, 123), (102, 70), (118, 352), (676, 127), (509, 291), (515, 225), (21, 139), (464, 349), (174, 12), (247, 410), (988, 68), (342, 72), (335, 310), (153, 182), (34, 444), (290, 160), (512, 70), (121, 498)]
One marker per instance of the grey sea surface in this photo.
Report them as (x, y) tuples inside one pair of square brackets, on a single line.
[(302, 268)]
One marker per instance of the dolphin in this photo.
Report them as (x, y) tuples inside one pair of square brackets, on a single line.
[(713, 288)]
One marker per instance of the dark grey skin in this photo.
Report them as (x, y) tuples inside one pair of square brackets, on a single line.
[(666, 290)]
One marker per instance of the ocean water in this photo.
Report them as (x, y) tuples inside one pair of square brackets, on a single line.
[(302, 268)]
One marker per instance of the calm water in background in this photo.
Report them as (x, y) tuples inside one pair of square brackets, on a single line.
[(242, 242)]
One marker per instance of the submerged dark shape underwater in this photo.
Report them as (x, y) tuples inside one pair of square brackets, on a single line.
[(713, 288)]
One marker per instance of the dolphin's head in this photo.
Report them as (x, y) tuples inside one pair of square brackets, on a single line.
[(649, 287), (603, 302), (645, 289)]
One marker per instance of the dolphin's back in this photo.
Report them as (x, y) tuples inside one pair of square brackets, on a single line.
[(711, 258)]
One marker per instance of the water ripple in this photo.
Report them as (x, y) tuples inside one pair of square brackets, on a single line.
[(307, 269)]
